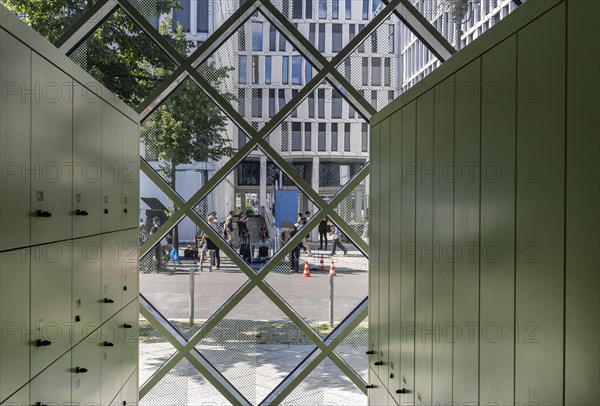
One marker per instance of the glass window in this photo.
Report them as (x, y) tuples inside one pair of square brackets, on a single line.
[(321, 101), (256, 102), (311, 105), (321, 38), (308, 72), (182, 16), (203, 15), (272, 37), (329, 174), (347, 137), (242, 38), (348, 9), (335, 9), (387, 71), (365, 10), (336, 33), (351, 111), (297, 9), (295, 111), (285, 140), (296, 70), (255, 70), (375, 71), (307, 136), (334, 136), (361, 47), (374, 42), (322, 137), (365, 71), (322, 9), (311, 34), (271, 103), (392, 38), (243, 69), (374, 99), (248, 173), (268, 70), (390, 95), (242, 138), (282, 42), (309, 9), (336, 104), (257, 36), (282, 100), (347, 68), (365, 138), (285, 70), (296, 136), (242, 101), (351, 32), (375, 5)]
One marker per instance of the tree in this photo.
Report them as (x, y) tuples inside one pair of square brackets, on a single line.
[(186, 127), (457, 9)]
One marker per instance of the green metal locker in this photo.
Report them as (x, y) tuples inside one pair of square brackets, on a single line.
[(131, 174), (87, 293), (85, 371), (111, 294), (53, 385), (374, 266), (112, 168)]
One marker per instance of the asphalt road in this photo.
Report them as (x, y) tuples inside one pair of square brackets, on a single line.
[(170, 292)]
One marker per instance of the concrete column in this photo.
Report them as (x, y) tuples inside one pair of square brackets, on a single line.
[(262, 191), (194, 17)]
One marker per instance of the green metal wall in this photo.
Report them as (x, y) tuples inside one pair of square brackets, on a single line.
[(485, 266)]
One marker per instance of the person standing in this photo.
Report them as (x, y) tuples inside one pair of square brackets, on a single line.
[(295, 254), (336, 236), (323, 228), (244, 235), (158, 248), (228, 228)]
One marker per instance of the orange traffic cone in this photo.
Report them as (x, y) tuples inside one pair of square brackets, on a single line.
[(321, 264), (332, 270), (306, 270)]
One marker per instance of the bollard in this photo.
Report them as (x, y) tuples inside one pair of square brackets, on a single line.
[(192, 270), (331, 300)]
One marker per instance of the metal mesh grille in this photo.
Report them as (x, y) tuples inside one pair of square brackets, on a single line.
[(353, 350), (326, 385), (354, 209), (255, 346)]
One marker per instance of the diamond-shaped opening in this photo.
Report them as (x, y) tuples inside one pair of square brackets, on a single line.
[(461, 22), (310, 297), (167, 283), (382, 67), (51, 19), (183, 385), (354, 209), (124, 59), (271, 202), (326, 385), (353, 349), (260, 63), (155, 350), (188, 131), (256, 346)]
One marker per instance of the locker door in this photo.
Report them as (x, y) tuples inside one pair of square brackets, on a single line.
[(110, 368), (51, 154), (130, 392), (53, 386), (14, 313), (131, 174), (85, 372), (15, 133), (50, 303), (129, 241), (87, 287), (378, 395), (407, 277), (374, 270), (87, 170), (130, 339), (20, 398), (112, 144), (111, 275)]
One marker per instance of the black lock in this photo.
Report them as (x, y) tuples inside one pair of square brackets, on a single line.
[(379, 363), (107, 344), (370, 352), (46, 214), (81, 212), (79, 370), (43, 343), (107, 300)]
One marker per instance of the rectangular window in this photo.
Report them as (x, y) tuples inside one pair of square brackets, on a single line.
[(296, 70), (336, 104), (347, 137), (242, 101), (322, 141), (364, 139), (285, 70), (321, 47), (242, 38), (311, 34), (361, 47), (282, 100), (308, 72), (329, 174), (387, 72), (271, 103), (267, 70), (374, 42), (241, 138), (390, 95), (392, 37), (376, 72), (321, 101), (296, 136), (347, 68), (272, 37), (182, 16), (255, 70), (374, 99), (334, 137), (365, 10), (282, 42), (257, 36), (203, 15), (285, 140), (248, 173), (297, 9), (309, 9), (256, 102), (348, 9), (243, 69), (295, 111), (311, 105), (307, 136), (375, 5), (365, 71), (322, 9), (351, 32), (350, 111), (335, 9), (336, 40)]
